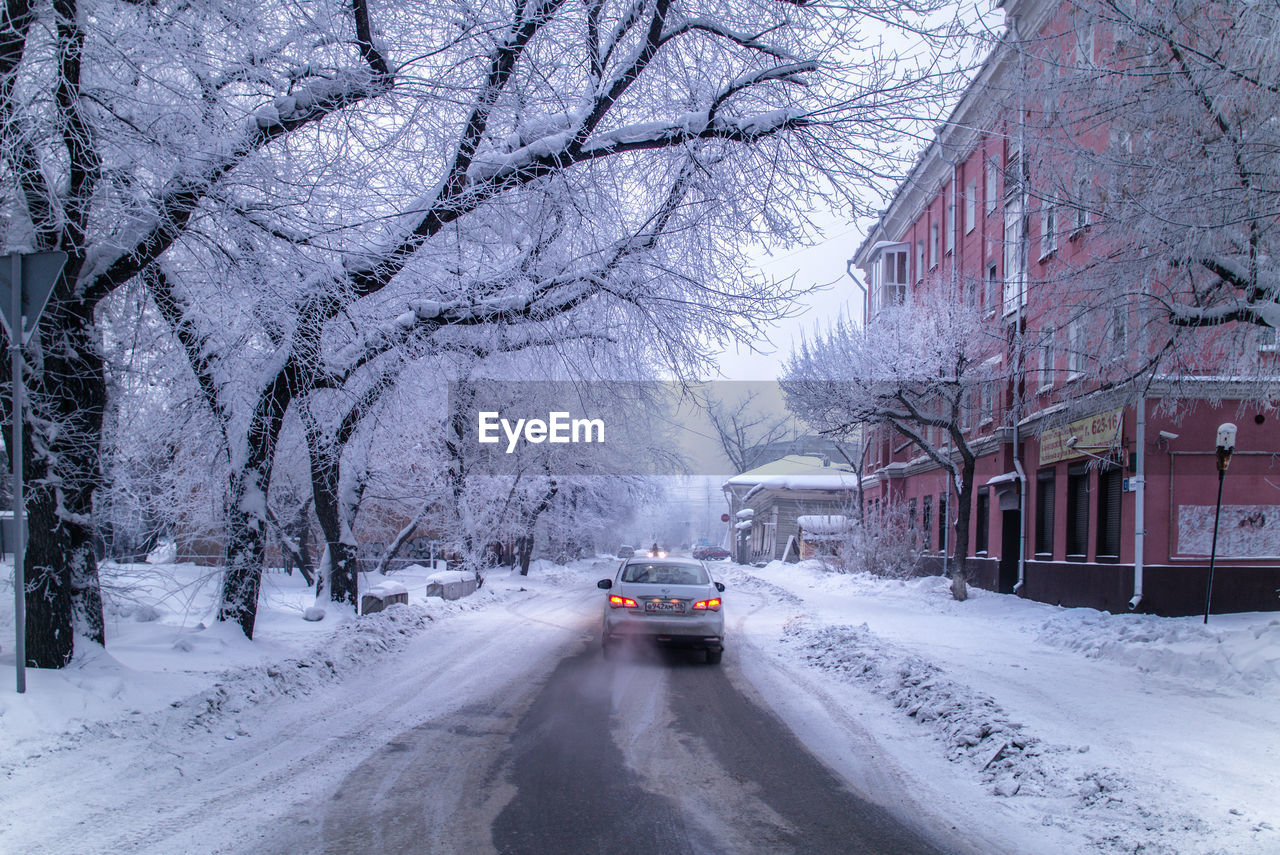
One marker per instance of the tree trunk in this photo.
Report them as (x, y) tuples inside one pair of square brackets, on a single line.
[(50, 637), (524, 552), (959, 563), (246, 548), (68, 392), (524, 544), (247, 503), (325, 456)]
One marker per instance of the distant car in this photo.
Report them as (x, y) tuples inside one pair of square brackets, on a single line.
[(711, 553), (626, 551), (670, 601)]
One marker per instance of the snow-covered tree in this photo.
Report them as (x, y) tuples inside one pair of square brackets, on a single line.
[(117, 122), (313, 177), (1150, 132), (919, 369)]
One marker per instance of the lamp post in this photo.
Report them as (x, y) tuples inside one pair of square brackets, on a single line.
[(1226, 445)]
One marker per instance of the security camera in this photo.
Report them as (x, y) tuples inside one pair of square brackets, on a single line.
[(1168, 436), (1073, 441)]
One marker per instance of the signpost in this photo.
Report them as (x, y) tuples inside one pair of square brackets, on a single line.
[(26, 281)]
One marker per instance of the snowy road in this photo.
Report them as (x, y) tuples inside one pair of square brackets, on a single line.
[(508, 735), (653, 752)]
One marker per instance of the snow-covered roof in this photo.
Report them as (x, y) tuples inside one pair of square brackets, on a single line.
[(797, 472), (823, 523), (743, 526), (745, 513)]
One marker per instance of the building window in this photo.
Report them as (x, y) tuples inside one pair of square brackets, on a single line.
[(920, 260), (988, 406), (993, 286), (933, 245), (1015, 228), (1119, 329), (911, 514), (926, 522), (1080, 211), (1048, 355), (992, 172), (1048, 229), (970, 206), (1084, 46), (942, 522), (949, 224), (1077, 511), (889, 283), (1076, 349), (983, 513), (1110, 486), (1045, 486)]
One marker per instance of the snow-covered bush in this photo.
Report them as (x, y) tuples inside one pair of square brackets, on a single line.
[(885, 544)]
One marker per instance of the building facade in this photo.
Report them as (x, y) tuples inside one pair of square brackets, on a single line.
[(768, 503), (1087, 493)]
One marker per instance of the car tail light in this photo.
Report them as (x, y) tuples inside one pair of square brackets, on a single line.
[(617, 602), (704, 605)]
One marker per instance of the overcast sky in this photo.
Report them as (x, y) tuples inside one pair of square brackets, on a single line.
[(823, 263)]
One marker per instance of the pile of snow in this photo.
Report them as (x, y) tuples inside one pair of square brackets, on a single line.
[(970, 725), (1136, 733), (166, 654), (166, 552), (384, 590), (445, 576), (1246, 657)]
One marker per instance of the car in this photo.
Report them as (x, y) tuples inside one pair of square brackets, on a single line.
[(711, 553), (626, 551), (672, 602)]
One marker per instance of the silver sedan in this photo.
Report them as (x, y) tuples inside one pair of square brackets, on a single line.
[(671, 601)]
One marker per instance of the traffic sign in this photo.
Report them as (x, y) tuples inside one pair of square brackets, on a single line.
[(38, 272)]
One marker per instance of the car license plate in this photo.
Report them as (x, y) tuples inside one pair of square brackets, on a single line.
[(663, 607)]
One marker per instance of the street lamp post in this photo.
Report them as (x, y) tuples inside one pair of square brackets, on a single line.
[(1226, 445)]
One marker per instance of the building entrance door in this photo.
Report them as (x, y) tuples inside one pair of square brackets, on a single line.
[(1008, 551)]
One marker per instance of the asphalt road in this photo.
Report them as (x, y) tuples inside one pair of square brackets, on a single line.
[(652, 752)]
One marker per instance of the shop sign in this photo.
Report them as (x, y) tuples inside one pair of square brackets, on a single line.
[(1097, 434)]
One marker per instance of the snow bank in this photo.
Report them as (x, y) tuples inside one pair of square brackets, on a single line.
[(1246, 657), (167, 656), (1133, 733)]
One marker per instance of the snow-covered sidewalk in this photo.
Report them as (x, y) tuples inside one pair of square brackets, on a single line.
[(1055, 728), (227, 746)]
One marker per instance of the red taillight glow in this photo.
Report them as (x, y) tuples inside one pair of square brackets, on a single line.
[(622, 602), (704, 605)]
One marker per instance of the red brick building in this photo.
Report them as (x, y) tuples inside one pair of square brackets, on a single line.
[(1083, 497)]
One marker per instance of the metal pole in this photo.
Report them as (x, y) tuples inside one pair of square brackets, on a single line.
[(19, 547), (1213, 550)]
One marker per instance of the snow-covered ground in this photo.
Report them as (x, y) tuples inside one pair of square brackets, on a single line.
[(1026, 728), (1052, 729)]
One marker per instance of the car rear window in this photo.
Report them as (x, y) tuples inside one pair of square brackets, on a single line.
[(657, 573)]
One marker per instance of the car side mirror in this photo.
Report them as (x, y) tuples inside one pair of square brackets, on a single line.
[(720, 587), (606, 584)]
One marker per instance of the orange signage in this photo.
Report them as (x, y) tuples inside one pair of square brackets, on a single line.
[(1098, 434)]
